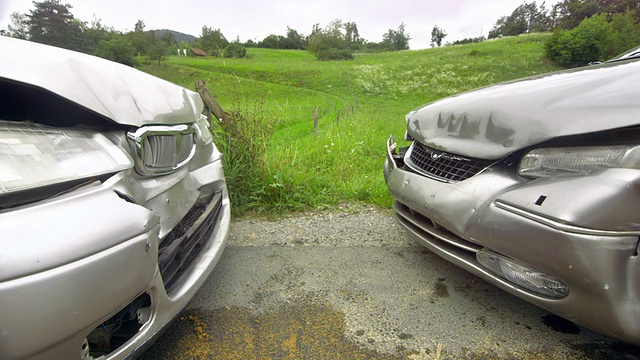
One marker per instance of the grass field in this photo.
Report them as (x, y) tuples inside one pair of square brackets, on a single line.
[(273, 160)]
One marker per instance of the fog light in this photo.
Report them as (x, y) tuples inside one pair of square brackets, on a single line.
[(527, 278)]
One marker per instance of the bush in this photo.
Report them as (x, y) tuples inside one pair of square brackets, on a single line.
[(116, 49), (591, 41), (334, 54), (235, 50)]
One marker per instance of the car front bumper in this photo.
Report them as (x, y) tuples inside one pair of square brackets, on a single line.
[(495, 211), (73, 262)]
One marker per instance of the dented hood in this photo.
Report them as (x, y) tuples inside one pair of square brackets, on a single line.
[(115, 91), (492, 122)]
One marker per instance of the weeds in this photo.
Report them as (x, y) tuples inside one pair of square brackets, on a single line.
[(243, 141)]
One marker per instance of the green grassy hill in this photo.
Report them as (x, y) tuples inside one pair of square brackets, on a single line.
[(273, 95)]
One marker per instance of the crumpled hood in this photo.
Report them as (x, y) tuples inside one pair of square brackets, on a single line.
[(492, 122), (118, 92)]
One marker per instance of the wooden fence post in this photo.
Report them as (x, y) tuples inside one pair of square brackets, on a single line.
[(210, 102), (315, 121)]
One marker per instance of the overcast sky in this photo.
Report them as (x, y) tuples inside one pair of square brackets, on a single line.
[(256, 19)]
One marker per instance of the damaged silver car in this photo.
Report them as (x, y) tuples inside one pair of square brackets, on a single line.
[(534, 186), (113, 204)]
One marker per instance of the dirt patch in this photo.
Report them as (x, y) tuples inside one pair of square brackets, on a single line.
[(303, 331)]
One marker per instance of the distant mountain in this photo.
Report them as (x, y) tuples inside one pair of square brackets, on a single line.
[(180, 37)]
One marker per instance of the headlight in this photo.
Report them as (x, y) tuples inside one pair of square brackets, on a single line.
[(552, 162), (33, 156), (162, 149)]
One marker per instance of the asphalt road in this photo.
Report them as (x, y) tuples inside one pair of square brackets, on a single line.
[(351, 285)]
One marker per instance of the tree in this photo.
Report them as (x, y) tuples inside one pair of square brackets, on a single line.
[(52, 23), (169, 39), (536, 17), (330, 43), (139, 26), (293, 40), (626, 30), (19, 27), (570, 13), (352, 36), (139, 39), (395, 40), (526, 18), (117, 49), (437, 35), (272, 41), (95, 33), (157, 49), (212, 41)]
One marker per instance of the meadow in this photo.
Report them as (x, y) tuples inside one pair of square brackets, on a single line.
[(274, 160)]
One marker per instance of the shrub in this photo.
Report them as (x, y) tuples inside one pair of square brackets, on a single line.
[(469, 40), (334, 54), (116, 49), (235, 50), (590, 41)]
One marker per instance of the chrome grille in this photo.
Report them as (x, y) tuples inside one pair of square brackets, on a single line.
[(162, 149), (442, 165)]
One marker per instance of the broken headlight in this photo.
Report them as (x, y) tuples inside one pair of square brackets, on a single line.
[(552, 162), (162, 149), (34, 156)]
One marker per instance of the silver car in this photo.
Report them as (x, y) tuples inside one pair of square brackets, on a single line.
[(113, 204), (534, 186)]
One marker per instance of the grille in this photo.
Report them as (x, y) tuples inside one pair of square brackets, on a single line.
[(442, 165), (181, 246)]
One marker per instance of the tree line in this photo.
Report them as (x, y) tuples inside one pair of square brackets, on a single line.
[(565, 15), (52, 22), (583, 31)]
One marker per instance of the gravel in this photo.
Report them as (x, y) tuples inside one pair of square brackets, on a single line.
[(382, 294)]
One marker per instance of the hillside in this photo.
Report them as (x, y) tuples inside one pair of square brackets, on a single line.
[(180, 37), (277, 91)]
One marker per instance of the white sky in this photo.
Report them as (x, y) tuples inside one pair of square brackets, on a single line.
[(253, 19)]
